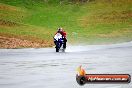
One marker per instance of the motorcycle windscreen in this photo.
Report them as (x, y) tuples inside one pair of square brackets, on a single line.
[(57, 36)]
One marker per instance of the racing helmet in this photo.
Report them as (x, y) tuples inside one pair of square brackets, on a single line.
[(59, 30)]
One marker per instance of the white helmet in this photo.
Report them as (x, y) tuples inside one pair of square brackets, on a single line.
[(60, 29)]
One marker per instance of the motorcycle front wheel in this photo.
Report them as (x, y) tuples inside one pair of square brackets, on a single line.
[(57, 47)]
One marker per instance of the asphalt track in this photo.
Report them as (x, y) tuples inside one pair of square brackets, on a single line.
[(44, 68)]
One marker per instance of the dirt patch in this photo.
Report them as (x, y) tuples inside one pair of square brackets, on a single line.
[(8, 23), (8, 7), (6, 42), (109, 18), (114, 15)]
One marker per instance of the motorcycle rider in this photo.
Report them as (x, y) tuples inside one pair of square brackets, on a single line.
[(63, 33)]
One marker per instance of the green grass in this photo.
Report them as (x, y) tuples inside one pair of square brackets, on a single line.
[(98, 21)]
